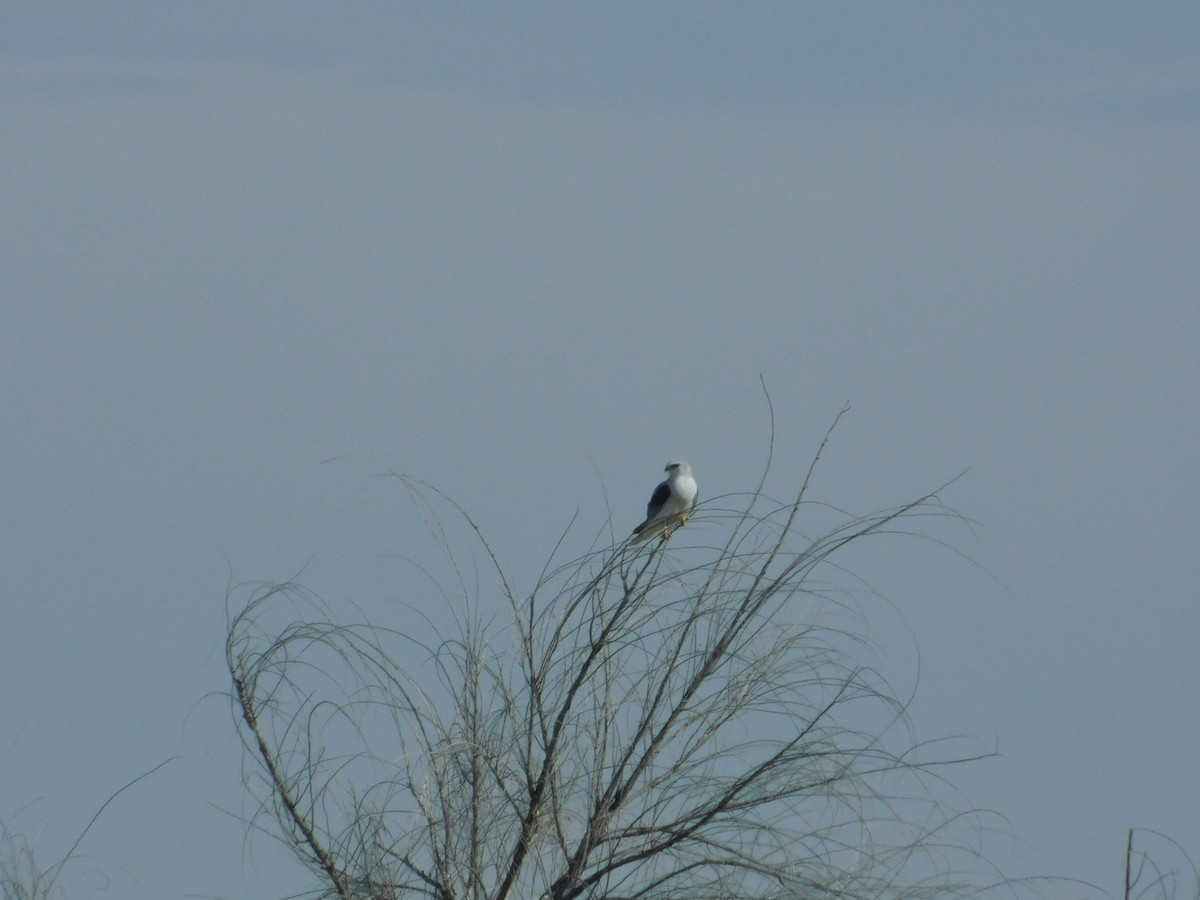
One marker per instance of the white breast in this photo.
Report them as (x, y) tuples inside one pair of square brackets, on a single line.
[(683, 494)]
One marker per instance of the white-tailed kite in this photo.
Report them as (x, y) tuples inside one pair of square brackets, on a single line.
[(670, 505)]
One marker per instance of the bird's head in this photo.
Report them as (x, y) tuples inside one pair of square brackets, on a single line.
[(678, 468)]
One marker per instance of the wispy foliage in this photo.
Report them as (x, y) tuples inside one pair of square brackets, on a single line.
[(22, 874), (666, 721)]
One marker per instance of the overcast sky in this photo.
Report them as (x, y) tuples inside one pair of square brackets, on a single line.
[(532, 253)]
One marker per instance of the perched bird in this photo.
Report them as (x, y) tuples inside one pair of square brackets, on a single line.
[(670, 504)]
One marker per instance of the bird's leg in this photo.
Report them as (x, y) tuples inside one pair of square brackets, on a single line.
[(678, 522)]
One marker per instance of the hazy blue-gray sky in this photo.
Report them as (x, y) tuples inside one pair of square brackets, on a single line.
[(521, 251)]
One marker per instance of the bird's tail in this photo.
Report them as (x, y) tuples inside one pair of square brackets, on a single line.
[(649, 530)]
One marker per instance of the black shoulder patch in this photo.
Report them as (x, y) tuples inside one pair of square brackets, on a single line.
[(658, 499)]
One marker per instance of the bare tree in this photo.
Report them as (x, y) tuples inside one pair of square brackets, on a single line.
[(666, 721)]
